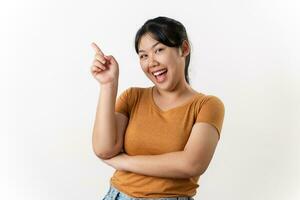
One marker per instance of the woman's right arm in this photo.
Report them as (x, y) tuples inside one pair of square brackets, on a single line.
[(105, 125), (109, 127)]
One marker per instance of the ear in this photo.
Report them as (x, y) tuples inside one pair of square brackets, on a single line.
[(185, 48)]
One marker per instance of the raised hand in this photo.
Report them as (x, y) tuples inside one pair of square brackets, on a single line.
[(105, 69)]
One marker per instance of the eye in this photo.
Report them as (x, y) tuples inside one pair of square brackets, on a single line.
[(160, 49), (142, 56)]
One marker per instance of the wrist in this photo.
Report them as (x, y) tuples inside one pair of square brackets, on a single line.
[(110, 85), (126, 163)]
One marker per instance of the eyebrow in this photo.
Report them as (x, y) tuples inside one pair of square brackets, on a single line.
[(151, 47)]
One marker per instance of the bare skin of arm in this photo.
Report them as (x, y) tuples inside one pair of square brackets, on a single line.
[(109, 126)]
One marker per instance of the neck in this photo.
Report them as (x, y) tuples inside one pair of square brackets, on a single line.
[(174, 93)]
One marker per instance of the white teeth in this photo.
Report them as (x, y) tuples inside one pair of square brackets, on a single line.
[(159, 72)]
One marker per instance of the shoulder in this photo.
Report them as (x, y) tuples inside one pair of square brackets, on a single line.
[(203, 98), (134, 90), (133, 93), (209, 103), (212, 99)]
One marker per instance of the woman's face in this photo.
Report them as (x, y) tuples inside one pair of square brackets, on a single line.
[(155, 56)]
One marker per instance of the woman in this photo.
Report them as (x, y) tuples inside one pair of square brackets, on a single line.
[(160, 139)]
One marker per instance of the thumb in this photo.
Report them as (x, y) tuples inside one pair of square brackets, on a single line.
[(111, 59)]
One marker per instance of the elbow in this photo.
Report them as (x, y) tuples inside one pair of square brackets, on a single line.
[(104, 155), (197, 173), (192, 174), (194, 171)]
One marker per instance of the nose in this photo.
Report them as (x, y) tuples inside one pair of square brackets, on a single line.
[(152, 61)]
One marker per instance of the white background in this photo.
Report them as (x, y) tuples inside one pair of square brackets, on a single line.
[(245, 52)]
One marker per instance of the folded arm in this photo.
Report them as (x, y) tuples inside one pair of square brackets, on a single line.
[(192, 161)]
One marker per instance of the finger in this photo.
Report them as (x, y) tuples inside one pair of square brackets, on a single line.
[(97, 49), (111, 59), (100, 65), (95, 69), (100, 58)]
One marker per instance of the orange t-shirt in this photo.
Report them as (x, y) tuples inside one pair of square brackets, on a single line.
[(152, 131)]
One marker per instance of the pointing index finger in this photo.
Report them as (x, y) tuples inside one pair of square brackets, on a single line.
[(97, 49)]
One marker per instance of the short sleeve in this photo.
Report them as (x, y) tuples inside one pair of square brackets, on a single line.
[(122, 102), (212, 112)]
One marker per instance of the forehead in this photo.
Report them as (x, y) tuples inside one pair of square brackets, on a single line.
[(147, 42)]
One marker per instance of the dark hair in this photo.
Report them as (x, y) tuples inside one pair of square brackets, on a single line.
[(167, 31)]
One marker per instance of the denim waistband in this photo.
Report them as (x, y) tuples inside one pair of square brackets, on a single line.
[(115, 194)]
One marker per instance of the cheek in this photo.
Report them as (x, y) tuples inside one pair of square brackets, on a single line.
[(169, 59), (175, 66), (144, 65)]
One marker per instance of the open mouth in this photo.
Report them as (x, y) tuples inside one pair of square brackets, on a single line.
[(160, 75)]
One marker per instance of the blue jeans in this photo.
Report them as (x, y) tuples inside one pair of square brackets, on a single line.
[(114, 194)]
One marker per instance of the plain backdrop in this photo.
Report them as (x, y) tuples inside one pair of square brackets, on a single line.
[(246, 52)]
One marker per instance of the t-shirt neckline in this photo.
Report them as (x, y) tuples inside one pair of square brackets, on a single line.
[(171, 109)]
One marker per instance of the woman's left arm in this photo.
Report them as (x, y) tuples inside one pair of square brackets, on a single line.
[(192, 161)]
